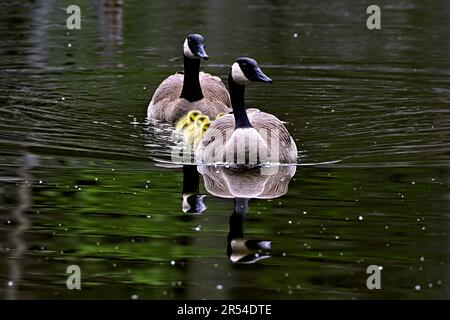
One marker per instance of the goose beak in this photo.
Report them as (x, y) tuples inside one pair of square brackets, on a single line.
[(261, 77), (201, 53)]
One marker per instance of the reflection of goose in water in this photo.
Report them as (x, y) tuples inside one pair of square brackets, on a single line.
[(239, 249), (192, 198), (261, 183)]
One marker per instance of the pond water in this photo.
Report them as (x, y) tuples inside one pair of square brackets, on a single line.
[(86, 180)]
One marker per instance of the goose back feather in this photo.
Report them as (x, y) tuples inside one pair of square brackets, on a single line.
[(217, 139), (166, 104)]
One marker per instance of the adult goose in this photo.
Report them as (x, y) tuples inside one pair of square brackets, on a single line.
[(246, 137), (189, 90)]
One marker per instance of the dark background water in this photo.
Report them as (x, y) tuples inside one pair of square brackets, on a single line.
[(81, 180)]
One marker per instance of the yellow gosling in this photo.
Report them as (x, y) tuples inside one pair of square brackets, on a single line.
[(194, 133), (220, 114), (187, 120)]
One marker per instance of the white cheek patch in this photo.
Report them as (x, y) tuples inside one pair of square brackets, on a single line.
[(237, 74), (187, 51)]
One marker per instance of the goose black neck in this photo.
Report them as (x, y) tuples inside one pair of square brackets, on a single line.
[(191, 83), (237, 93)]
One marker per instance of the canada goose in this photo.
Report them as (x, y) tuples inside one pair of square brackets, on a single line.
[(258, 137), (182, 92)]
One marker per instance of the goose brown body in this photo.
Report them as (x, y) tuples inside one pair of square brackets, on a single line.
[(217, 139), (167, 105)]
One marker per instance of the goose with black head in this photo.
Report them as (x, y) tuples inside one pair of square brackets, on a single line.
[(247, 136), (190, 90)]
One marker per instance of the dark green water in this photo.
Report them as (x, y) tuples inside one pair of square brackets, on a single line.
[(84, 177)]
